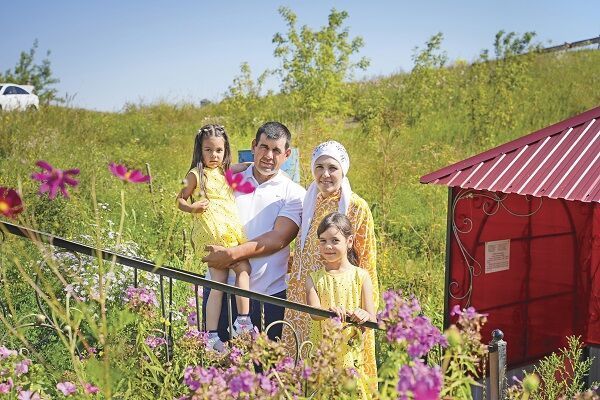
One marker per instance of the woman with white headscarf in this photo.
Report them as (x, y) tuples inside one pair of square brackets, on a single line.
[(330, 191)]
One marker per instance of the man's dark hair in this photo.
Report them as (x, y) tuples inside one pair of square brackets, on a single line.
[(273, 131)]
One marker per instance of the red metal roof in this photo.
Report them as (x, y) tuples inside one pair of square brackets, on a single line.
[(559, 161)]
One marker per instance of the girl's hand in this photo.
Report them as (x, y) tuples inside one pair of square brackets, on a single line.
[(340, 312), (199, 206), (359, 316)]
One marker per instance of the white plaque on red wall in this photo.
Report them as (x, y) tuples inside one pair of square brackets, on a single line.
[(497, 256)]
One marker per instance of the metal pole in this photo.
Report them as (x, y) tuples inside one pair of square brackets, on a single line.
[(497, 360)]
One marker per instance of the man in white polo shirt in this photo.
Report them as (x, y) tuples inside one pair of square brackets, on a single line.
[(271, 216)]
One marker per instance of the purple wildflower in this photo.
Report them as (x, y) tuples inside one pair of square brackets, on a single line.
[(141, 299), (53, 179), (154, 341), (423, 382), (5, 353), (28, 395), (404, 324), (268, 385), (22, 367), (192, 319), (88, 388), (5, 387), (67, 388), (235, 355), (306, 372), (242, 383)]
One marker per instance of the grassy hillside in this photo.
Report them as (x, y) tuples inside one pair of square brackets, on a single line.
[(396, 129)]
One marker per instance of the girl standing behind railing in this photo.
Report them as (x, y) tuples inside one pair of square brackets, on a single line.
[(343, 288)]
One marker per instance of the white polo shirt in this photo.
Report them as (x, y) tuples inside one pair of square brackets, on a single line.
[(277, 197)]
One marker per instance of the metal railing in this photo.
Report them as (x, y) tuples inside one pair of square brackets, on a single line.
[(170, 273), (572, 45)]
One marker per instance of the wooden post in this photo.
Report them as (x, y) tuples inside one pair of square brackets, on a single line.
[(150, 175), (497, 360)]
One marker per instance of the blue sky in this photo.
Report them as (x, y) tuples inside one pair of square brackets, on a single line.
[(107, 53)]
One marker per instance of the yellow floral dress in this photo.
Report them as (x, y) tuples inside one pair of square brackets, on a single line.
[(308, 260), (220, 223), (343, 290)]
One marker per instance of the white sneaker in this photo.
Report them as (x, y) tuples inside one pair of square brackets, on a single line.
[(239, 329), (215, 344)]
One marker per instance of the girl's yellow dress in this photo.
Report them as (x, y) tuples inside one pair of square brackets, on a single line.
[(309, 260), (220, 223), (344, 290)]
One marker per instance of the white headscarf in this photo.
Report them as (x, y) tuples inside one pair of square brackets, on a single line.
[(336, 151)]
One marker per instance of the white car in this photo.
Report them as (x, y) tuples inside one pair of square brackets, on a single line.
[(17, 97)]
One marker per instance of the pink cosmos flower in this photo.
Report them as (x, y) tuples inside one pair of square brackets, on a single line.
[(53, 179), (10, 202), (237, 182), (88, 388), (126, 175), (67, 388)]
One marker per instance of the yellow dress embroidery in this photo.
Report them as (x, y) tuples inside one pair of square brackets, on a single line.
[(309, 260), (343, 290), (220, 223)]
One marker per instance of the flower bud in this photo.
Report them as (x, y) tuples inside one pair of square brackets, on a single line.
[(531, 383), (40, 319), (453, 336)]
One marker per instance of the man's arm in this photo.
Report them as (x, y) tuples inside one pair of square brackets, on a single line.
[(284, 231)]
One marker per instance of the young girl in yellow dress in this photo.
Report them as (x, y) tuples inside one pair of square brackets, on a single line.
[(215, 222), (343, 288)]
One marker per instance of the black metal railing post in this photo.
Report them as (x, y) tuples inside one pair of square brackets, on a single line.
[(497, 362)]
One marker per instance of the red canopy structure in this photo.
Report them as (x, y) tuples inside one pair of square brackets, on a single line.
[(524, 237)]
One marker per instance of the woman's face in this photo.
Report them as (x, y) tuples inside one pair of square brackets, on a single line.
[(328, 175)]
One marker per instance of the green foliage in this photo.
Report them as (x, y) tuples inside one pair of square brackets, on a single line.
[(315, 64), (27, 72), (563, 374), (427, 78), (491, 111)]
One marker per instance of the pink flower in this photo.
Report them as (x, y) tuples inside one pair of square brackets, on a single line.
[(90, 389), (237, 182), (67, 388), (10, 202), (53, 179), (5, 353), (28, 395), (22, 367), (133, 176), (5, 387)]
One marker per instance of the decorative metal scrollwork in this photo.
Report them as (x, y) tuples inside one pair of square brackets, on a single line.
[(474, 267)]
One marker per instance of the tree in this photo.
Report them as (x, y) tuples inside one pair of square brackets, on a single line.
[(26, 72), (496, 85), (315, 64)]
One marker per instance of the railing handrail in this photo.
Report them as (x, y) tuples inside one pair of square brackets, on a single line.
[(166, 271)]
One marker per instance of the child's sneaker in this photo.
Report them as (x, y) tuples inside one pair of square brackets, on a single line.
[(242, 325), (214, 343)]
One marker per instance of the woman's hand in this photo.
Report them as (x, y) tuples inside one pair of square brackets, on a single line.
[(359, 316), (340, 312), (199, 206)]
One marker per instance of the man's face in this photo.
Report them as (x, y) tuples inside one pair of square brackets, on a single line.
[(269, 154)]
